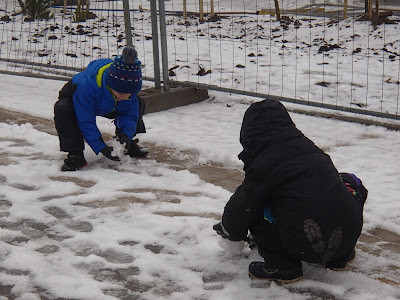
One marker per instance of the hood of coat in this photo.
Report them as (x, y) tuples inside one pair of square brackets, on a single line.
[(93, 68), (265, 124), (89, 78)]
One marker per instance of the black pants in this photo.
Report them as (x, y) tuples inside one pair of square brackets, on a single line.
[(270, 246), (69, 134)]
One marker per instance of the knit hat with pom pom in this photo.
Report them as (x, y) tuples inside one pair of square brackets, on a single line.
[(124, 74)]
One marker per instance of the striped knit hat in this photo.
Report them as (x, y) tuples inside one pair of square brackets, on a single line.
[(124, 74)]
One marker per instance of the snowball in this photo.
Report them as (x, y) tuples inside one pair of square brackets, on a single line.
[(231, 247), (118, 148)]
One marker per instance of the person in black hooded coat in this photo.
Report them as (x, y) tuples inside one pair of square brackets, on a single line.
[(294, 202)]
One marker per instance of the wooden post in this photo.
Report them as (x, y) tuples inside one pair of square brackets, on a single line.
[(184, 10), (87, 7), (65, 7), (277, 10), (201, 10), (79, 11), (377, 8), (370, 9), (345, 4), (366, 6), (212, 8)]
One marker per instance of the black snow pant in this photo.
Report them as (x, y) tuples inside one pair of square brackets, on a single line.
[(69, 134), (270, 246), (269, 241)]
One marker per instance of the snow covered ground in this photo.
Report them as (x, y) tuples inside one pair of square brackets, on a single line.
[(142, 229)]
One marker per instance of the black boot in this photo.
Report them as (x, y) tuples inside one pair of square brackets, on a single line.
[(136, 151), (260, 270), (74, 161), (340, 264)]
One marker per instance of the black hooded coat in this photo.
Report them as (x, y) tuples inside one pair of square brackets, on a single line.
[(317, 218)]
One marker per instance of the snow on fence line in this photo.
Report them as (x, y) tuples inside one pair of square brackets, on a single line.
[(313, 55)]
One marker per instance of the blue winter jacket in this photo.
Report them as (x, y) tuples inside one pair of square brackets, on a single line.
[(92, 98)]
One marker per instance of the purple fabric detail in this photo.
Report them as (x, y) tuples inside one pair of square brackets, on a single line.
[(355, 178)]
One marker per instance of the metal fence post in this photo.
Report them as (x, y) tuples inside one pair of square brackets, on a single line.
[(164, 47), (127, 20), (156, 53)]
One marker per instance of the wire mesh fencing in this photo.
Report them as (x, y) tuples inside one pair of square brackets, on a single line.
[(66, 42), (336, 54)]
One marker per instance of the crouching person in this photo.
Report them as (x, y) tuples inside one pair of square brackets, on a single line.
[(293, 201), (106, 88)]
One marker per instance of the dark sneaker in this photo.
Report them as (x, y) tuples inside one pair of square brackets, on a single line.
[(74, 162), (259, 270), (136, 151), (340, 264)]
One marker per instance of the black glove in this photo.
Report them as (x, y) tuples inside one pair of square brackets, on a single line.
[(218, 228), (124, 139), (106, 151)]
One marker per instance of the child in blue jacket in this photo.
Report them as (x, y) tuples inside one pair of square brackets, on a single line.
[(106, 88)]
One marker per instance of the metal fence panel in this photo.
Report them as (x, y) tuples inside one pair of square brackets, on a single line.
[(312, 56)]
